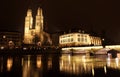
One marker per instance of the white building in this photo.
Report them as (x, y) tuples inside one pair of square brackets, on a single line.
[(78, 39)]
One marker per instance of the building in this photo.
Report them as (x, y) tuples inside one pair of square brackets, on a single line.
[(78, 39), (6, 37), (34, 31), (55, 38)]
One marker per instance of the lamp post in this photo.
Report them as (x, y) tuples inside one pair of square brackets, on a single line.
[(4, 40), (103, 42)]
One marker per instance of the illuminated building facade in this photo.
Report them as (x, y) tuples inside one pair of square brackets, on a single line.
[(6, 37), (29, 31), (78, 39), (33, 33)]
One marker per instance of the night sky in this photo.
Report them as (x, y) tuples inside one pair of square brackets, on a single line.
[(62, 15)]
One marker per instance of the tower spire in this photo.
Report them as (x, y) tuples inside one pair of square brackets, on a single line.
[(39, 11), (29, 12)]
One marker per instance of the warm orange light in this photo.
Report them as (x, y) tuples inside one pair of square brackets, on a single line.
[(9, 63), (38, 62)]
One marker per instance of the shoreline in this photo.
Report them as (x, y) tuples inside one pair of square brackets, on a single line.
[(21, 51)]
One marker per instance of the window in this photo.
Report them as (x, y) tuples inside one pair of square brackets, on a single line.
[(71, 39), (61, 41), (85, 39), (78, 39), (82, 39), (81, 35), (78, 35)]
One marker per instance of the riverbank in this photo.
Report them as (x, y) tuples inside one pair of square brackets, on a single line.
[(21, 51)]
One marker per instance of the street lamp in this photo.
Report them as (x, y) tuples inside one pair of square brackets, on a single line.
[(4, 36), (4, 40)]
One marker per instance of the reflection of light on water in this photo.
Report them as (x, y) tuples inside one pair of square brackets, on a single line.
[(83, 58), (86, 65), (22, 61), (29, 66), (113, 63), (49, 63), (1, 63), (69, 58), (117, 61), (38, 62), (9, 63), (93, 72), (28, 61), (26, 67), (73, 67), (61, 65), (105, 70), (75, 64), (108, 61)]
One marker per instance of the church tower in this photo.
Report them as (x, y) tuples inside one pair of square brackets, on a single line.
[(34, 33), (39, 22), (28, 27)]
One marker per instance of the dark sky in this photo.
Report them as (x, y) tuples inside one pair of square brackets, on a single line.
[(97, 15)]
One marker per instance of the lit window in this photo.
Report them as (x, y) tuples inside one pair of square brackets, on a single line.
[(71, 39), (61, 41), (82, 39), (81, 35), (79, 39), (68, 40), (85, 39)]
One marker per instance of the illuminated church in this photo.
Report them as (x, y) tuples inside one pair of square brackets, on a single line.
[(34, 33)]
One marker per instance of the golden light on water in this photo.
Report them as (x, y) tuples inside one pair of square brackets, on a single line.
[(93, 72), (50, 63), (105, 69), (84, 64), (38, 62), (9, 63)]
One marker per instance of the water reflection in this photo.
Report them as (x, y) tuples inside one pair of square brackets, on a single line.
[(82, 64), (65, 65), (36, 66), (113, 63), (38, 62), (76, 64), (9, 63), (1, 64), (30, 67)]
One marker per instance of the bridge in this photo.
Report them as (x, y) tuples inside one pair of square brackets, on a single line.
[(93, 49)]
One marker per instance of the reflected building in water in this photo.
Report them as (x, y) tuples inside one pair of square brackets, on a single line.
[(36, 66), (57, 66), (86, 65)]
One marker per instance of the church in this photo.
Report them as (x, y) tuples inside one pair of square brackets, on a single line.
[(34, 29)]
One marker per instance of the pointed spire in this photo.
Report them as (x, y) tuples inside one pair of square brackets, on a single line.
[(29, 12), (39, 11)]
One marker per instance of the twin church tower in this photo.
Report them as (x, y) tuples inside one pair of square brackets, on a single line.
[(33, 32)]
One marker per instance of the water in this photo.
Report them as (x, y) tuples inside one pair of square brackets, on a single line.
[(54, 65)]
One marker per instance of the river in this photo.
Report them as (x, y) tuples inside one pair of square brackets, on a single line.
[(55, 65)]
